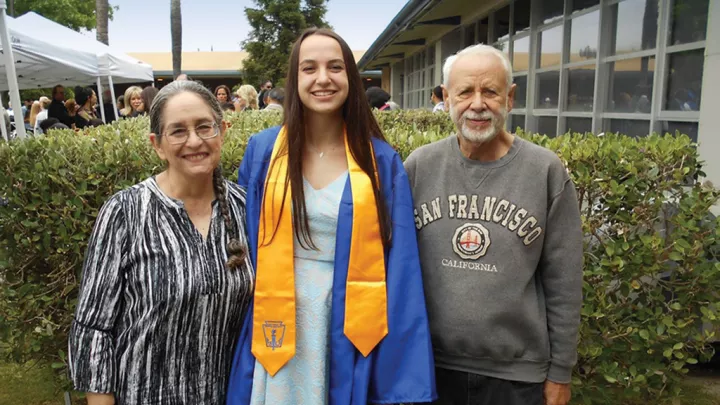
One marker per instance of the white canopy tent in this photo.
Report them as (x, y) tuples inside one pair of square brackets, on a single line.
[(46, 54), (117, 66)]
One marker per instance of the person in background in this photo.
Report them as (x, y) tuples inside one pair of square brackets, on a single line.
[(247, 98), (264, 89), (121, 104), (71, 108), (501, 247), (275, 99), (47, 123), (147, 95), (183, 76), (58, 109), (338, 316), (133, 102), (166, 278), (110, 114), (26, 121), (378, 98), (35, 109), (222, 93), (43, 115), (437, 99), (85, 98), (228, 107)]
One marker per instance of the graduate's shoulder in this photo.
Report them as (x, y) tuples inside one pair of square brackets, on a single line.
[(264, 139)]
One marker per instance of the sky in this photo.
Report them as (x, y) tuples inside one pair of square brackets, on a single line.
[(144, 25)]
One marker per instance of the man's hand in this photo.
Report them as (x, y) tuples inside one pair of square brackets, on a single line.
[(556, 394)]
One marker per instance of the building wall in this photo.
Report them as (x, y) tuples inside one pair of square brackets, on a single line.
[(708, 138), (630, 66)]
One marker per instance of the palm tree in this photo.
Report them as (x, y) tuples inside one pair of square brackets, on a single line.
[(101, 18), (176, 34)]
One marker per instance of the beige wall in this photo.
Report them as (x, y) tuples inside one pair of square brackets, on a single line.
[(708, 138)]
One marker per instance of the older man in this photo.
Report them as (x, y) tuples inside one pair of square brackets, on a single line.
[(501, 247)]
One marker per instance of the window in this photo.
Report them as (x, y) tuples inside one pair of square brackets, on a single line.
[(483, 31), (580, 5), (635, 25), (521, 16), (551, 42), (547, 93), (684, 128), (520, 91), (579, 125), (581, 88), (584, 37), (502, 24), (521, 54), (684, 82), (631, 84), (517, 121), (635, 128), (689, 21), (547, 126), (550, 10)]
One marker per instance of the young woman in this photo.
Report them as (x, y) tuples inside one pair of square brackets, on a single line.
[(133, 103), (161, 305), (339, 314), (222, 93), (42, 115), (147, 95), (247, 98), (85, 98), (35, 109)]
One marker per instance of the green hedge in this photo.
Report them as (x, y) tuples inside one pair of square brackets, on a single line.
[(651, 269)]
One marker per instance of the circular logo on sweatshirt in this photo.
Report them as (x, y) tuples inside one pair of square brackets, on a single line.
[(471, 241)]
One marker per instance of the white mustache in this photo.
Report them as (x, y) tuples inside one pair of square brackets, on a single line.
[(485, 115)]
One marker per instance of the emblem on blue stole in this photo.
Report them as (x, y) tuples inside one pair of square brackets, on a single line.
[(274, 332)]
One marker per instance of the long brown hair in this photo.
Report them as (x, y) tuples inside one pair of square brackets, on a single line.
[(361, 128)]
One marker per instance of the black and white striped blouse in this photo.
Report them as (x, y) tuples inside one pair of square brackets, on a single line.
[(159, 313)]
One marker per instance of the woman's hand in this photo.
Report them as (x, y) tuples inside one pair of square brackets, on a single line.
[(100, 399)]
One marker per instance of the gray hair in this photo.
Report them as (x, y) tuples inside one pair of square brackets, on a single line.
[(172, 90), (479, 49)]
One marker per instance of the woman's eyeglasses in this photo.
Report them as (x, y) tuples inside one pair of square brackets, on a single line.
[(178, 135)]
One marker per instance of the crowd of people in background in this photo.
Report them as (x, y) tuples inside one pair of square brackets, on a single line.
[(83, 110)]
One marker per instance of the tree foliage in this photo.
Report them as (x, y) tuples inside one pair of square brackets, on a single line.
[(75, 14), (275, 26)]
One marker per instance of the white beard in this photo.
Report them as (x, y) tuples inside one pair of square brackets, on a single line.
[(479, 136)]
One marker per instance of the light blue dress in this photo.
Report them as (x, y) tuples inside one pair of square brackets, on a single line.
[(305, 379)]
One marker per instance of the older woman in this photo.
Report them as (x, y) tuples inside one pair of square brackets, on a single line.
[(133, 103), (166, 280), (247, 98)]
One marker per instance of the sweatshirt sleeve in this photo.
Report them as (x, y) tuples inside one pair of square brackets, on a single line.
[(561, 272), (91, 341)]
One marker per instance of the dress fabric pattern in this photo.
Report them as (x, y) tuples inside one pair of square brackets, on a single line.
[(305, 379), (159, 313)]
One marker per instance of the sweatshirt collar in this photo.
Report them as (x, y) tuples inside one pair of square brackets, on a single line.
[(507, 158)]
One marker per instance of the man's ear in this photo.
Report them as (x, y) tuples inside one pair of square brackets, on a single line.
[(155, 141), (511, 97), (446, 97)]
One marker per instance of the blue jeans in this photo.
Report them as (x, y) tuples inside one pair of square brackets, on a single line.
[(461, 388)]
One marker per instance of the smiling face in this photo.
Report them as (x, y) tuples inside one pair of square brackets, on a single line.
[(322, 78), (197, 157), (478, 96), (136, 103), (221, 95)]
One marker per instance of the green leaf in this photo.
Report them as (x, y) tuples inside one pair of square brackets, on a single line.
[(644, 334)]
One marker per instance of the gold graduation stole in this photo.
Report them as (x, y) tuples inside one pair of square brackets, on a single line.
[(274, 322)]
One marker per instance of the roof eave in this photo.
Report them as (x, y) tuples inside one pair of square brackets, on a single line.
[(401, 20)]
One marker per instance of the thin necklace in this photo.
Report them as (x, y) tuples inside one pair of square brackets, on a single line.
[(319, 153)]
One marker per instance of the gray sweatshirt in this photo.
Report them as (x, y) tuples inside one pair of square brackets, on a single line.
[(501, 253)]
